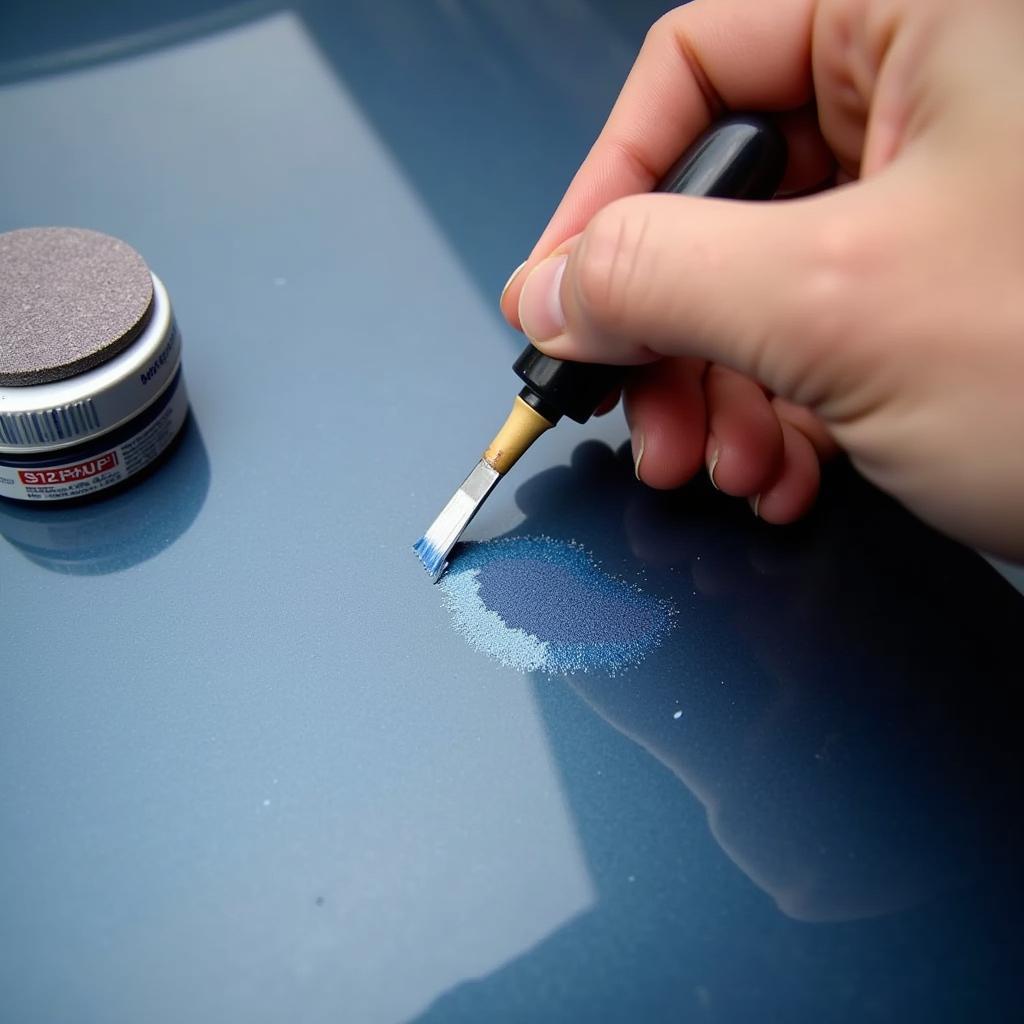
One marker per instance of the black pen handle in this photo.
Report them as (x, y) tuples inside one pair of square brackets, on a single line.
[(742, 157)]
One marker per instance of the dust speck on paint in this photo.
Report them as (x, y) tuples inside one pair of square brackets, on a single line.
[(537, 604), (677, 714)]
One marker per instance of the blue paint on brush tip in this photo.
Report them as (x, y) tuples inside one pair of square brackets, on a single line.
[(432, 559), (538, 604)]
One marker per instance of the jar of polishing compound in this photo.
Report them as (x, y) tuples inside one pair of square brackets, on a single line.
[(91, 390)]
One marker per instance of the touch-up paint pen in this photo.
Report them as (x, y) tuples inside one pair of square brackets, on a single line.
[(743, 157)]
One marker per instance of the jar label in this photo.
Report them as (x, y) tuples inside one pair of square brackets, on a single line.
[(80, 476)]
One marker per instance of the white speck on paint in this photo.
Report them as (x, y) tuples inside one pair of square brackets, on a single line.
[(266, 803), (632, 878), (280, 281), (678, 714)]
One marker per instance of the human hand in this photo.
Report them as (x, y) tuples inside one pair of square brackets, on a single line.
[(883, 316)]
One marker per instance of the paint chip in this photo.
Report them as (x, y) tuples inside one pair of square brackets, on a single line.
[(537, 604)]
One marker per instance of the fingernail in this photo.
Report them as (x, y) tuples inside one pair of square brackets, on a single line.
[(712, 466), (511, 278), (638, 453), (755, 504), (540, 304)]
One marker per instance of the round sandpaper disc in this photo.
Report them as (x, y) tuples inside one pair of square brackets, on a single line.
[(70, 299)]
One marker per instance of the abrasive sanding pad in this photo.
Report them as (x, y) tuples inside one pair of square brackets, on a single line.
[(70, 299)]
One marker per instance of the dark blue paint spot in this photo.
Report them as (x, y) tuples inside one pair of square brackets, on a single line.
[(540, 604)]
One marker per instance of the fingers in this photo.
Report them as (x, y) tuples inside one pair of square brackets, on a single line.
[(755, 447), (666, 414), (811, 426), (793, 491), (696, 60), (754, 453), (744, 447)]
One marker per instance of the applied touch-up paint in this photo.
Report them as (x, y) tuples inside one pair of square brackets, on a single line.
[(91, 389), (538, 604)]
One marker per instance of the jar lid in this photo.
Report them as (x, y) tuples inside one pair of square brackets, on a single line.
[(60, 413), (70, 299)]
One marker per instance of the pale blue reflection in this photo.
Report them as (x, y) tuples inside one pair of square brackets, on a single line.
[(114, 32), (264, 770)]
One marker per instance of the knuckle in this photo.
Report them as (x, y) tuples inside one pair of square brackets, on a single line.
[(664, 27), (838, 296), (609, 270), (841, 260)]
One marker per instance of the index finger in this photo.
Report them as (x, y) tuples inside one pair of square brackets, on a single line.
[(697, 60)]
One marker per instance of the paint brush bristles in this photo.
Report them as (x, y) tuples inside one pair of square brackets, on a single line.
[(436, 544), (523, 426)]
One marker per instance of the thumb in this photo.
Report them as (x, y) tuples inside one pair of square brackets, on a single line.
[(765, 288)]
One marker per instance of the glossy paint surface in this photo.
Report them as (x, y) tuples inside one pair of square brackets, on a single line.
[(248, 768)]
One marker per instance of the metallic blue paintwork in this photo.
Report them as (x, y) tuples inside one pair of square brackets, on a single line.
[(247, 770)]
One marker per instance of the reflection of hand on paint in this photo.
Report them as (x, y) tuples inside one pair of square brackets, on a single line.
[(879, 316), (819, 763), (587, 499)]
